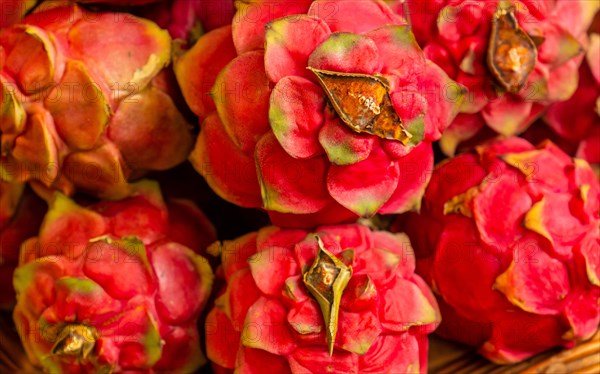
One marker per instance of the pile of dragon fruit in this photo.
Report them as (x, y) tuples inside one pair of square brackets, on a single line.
[(297, 186)]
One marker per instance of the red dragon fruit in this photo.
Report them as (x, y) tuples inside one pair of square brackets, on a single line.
[(508, 238), (21, 213), (343, 299), (319, 110), (113, 287), (515, 57), (86, 101)]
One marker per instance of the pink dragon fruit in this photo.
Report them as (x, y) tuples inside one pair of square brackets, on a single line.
[(333, 119), (343, 299), (87, 102), (473, 42), (509, 240), (21, 213), (114, 287)]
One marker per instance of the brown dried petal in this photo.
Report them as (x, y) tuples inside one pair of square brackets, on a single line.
[(511, 53), (326, 280), (363, 102), (76, 340)]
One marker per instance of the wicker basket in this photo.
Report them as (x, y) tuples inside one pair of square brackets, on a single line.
[(447, 357), (444, 357)]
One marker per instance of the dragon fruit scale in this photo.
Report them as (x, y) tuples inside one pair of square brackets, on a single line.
[(21, 214), (87, 102), (108, 288), (342, 299), (515, 57), (316, 111), (509, 240)]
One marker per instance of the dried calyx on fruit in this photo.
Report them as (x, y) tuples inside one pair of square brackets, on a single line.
[(339, 299), (326, 280), (509, 239), (363, 103), (105, 288), (511, 55)]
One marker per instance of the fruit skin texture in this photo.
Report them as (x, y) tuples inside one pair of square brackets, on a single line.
[(508, 239), (21, 214), (455, 35), (267, 321), (114, 267), (582, 109), (188, 19), (13, 11), (118, 2), (88, 104), (184, 19), (269, 139)]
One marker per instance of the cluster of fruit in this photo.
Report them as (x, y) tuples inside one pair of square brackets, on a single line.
[(402, 166)]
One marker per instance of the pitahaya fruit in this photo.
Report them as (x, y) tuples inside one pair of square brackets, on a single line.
[(21, 213), (320, 111), (12, 11), (113, 287), (86, 102), (508, 238), (513, 70), (342, 299)]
